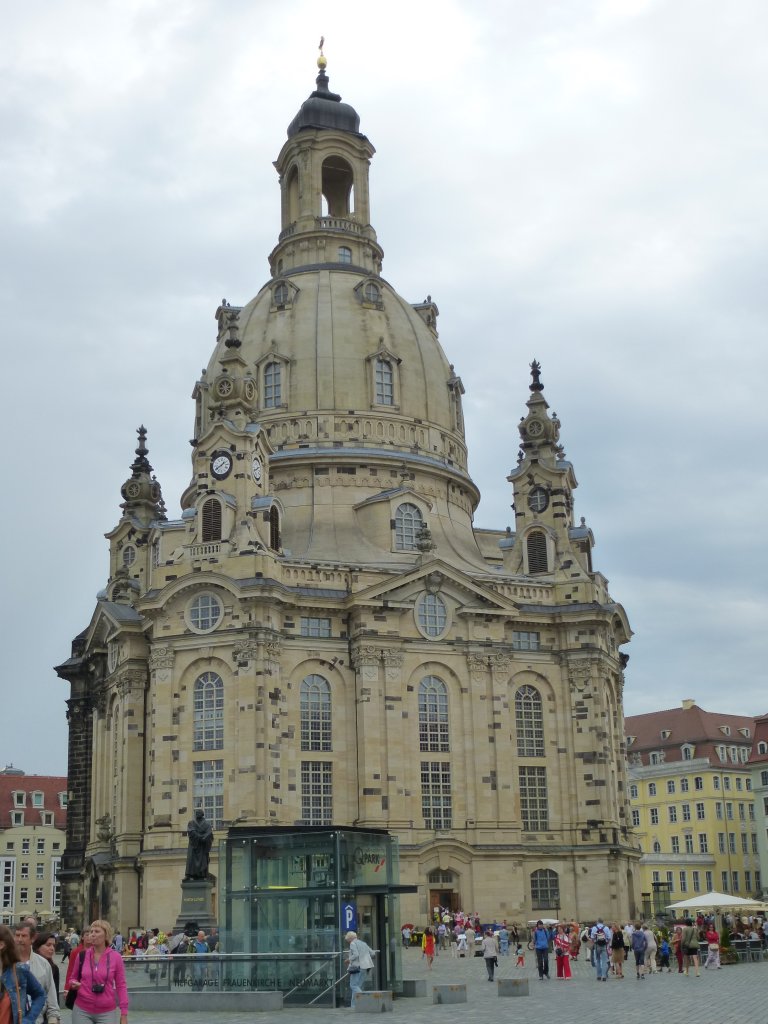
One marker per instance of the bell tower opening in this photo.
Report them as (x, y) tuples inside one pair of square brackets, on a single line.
[(292, 196), (338, 186)]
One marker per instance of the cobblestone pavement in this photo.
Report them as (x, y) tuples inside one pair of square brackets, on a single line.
[(717, 997)]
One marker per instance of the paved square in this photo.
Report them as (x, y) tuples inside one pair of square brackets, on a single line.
[(736, 993)]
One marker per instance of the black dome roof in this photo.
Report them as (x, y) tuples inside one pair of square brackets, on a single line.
[(324, 109)]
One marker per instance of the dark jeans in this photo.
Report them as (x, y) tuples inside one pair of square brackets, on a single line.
[(542, 962), (490, 964)]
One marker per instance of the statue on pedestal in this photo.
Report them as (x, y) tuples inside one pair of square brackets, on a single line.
[(200, 834)]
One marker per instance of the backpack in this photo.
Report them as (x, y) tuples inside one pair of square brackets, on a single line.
[(601, 939)]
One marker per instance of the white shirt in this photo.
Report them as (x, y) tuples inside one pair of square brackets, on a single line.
[(41, 969)]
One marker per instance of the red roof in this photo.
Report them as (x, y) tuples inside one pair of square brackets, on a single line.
[(49, 785), (670, 730), (761, 736)]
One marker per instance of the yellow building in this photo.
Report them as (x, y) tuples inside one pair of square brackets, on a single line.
[(322, 636), (691, 801), (33, 819)]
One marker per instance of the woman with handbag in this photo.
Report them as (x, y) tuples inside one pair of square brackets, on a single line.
[(562, 944), (98, 981), (22, 997), (490, 949)]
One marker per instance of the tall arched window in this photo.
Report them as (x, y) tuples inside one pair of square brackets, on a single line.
[(385, 382), (209, 712), (545, 890), (529, 722), (408, 522), (537, 552), (211, 516), (274, 528), (433, 714), (272, 386), (315, 704), (345, 254)]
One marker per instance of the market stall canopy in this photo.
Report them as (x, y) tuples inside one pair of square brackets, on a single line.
[(718, 901)]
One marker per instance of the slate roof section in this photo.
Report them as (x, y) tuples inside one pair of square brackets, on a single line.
[(705, 730)]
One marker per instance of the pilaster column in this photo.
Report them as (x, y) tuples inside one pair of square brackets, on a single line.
[(160, 770), (368, 709), (397, 741)]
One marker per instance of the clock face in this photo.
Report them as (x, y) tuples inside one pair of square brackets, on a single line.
[(221, 464), (256, 469), (534, 428), (538, 499)]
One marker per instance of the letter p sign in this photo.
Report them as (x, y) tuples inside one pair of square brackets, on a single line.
[(348, 917)]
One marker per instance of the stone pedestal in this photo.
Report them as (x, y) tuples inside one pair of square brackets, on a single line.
[(449, 994), (513, 986), (196, 905), (373, 1002)]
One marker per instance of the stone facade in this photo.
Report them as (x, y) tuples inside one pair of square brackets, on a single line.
[(322, 636)]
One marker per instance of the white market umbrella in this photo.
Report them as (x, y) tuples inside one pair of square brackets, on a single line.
[(718, 901)]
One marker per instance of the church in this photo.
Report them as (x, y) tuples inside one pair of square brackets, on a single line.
[(322, 637)]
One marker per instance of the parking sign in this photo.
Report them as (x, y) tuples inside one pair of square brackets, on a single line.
[(348, 917)]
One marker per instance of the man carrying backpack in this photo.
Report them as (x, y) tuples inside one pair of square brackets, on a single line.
[(601, 939)]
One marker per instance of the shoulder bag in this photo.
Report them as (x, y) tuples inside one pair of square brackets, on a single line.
[(71, 999)]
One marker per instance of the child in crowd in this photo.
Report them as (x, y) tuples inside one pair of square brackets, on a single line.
[(520, 954), (664, 956)]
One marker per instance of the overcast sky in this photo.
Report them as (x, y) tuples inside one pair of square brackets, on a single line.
[(582, 182)]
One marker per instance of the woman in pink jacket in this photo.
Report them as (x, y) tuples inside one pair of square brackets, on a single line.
[(100, 981)]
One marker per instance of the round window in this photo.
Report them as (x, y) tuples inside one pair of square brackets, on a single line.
[(431, 615), (204, 613), (129, 555)]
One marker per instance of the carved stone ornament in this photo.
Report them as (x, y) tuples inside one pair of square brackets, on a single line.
[(579, 677), (433, 582), (392, 658), (501, 662), (104, 831), (477, 663), (130, 682), (78, 708), (99, 702), (365, 657), (273, 648), (161, 657), (245, 650)]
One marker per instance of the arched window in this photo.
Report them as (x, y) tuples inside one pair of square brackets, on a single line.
[(272, 388), (432, 615), (371, 292), (209, 712), (529, 722), (433, 714), (384, 382), (545, 890), (345, 254), (315, 703), (656, 846), (280, 294), (537, 552), (762, 747), (274, 528), (408, 522), (211, 517)]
